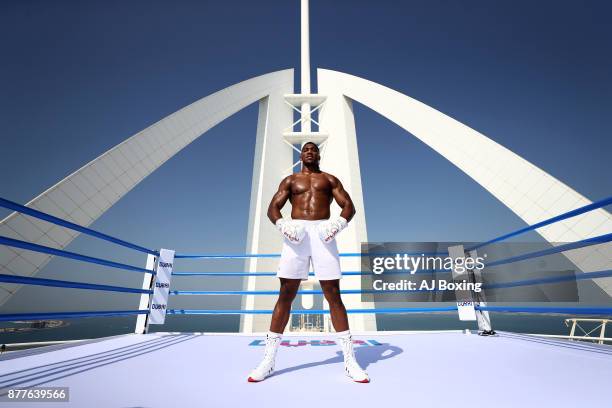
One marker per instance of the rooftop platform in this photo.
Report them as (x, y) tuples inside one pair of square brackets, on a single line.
[(426, 369)]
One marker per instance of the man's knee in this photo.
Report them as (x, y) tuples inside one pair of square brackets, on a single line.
[(286, 297), (331, 291), (288, 291)]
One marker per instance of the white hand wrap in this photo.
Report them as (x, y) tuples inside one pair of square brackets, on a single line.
[(330, 228), (294, 231)]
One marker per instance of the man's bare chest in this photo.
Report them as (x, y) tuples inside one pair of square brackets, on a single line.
[(315, 184)]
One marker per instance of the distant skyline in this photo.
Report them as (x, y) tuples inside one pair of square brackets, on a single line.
[(80, 77)]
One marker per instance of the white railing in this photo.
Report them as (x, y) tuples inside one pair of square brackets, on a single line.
[(588, 335)]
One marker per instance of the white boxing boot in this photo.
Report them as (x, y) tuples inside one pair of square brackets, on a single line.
[(351, 366), (266, 367)]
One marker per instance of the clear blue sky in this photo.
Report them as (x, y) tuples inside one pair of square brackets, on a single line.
[(77, 78)]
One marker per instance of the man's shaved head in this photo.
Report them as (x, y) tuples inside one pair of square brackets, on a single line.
[(310, 143)]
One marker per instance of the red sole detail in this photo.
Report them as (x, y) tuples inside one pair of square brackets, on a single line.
[(362, 381), (252, 380)]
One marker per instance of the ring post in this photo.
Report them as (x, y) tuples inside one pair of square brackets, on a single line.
[(160, 283), (465, 302), (482, 316), (142, 320), (161, 287)]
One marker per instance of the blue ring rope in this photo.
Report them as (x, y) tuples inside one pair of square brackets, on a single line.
[(573, 245), (58, 221), (553, 279), (345, 254), (561, 248), (349, 273), (235, 274), (26, 280), (301, 292), (66, 254), (312, 311), (569, 214), (70, 225), (66, 315), (557, 310), (244, 256)]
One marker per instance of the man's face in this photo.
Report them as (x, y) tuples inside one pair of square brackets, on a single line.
[(310, 154)]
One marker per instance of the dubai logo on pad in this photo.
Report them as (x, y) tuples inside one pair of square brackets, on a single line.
[(316, 343)]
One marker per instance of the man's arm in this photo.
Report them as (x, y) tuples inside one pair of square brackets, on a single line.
[(342, 198), (279, 199)]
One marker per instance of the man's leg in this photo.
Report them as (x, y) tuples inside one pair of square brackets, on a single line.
[(331, 290), (280, 317), (282, 309)]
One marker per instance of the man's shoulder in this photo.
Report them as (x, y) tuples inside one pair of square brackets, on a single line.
[(330, 177), (288, 180)]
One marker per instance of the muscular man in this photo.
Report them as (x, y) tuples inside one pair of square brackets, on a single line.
[(309, 237)]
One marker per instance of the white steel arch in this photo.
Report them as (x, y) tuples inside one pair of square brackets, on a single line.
[(527, 190), (86, 194)]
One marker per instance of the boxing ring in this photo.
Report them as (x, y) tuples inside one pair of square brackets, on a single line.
[(428, 368)]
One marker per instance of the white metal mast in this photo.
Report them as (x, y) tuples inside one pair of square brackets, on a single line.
[(304, 103), (305, 66)]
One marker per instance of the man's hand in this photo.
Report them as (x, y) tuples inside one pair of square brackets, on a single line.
[(330, 228), (292, 230)]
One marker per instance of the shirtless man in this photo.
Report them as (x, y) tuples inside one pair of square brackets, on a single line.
[(309, 236)]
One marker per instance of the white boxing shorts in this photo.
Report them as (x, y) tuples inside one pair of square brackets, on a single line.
[(295, 258)]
